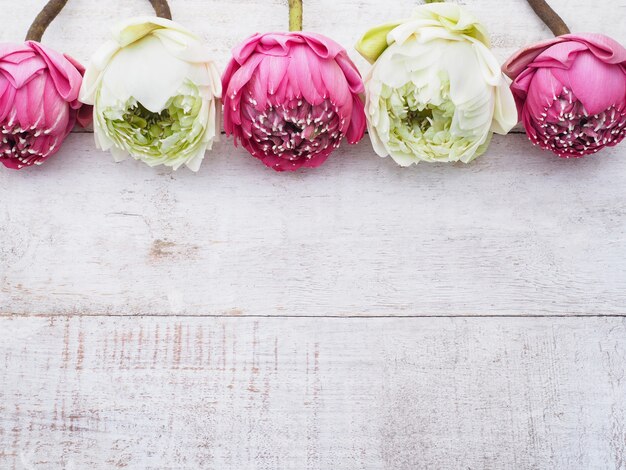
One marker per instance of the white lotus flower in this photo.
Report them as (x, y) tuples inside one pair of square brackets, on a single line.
[(435, 92), (156, 94)]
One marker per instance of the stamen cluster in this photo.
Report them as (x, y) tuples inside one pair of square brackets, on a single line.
[(568, 130), (27, 146), (296, 130)]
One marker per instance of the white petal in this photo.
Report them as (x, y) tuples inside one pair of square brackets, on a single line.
[(505, 110), (464, 71), (377, 144), (119, 154), (130, 30), (145, 71), (93, 73), (194, 162), (404, 159)]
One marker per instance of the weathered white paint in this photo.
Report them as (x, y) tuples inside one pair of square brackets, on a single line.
[(398, 394), (516, 232)]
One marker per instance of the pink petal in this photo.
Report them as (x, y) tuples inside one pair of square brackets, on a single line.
[(231, 68), (522, 83), (560, 55), (277, 68), (304, 75), (84, 115), (335, 82), (11, 163), (520, 87), (65, 75), (518, 62), (76, 64), (323, 46), (21, 72), (56, 111), (603, 47), (529, 125), (337, 89), (358, 123), (15, 53), (242, 52), (257, 87), (541, 93), (355, 82), (596, 84), (234, 81), (239, 77), (317, 159), (278, 44), (7, 97), (28, 103)]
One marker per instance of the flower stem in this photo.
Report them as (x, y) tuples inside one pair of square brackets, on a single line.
[(549, 17), (161, 8), (43, 19), (295, 15), (51, 10)]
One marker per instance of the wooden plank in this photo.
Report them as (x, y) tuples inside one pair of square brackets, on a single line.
[(516, 232), (401, 394), (84, 24)]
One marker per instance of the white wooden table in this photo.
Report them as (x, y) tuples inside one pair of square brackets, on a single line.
[(359, 316)]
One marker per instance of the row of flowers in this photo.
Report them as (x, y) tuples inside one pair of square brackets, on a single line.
[(435, 93)]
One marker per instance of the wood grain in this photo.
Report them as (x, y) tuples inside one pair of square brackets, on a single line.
[(516, 232), (218, 368), (401, 394)]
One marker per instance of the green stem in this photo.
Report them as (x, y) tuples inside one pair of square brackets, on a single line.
[(295, 15), (549, 17), (43, 19)]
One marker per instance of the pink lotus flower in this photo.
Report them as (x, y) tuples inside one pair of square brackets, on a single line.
[(571, 93), (290, 98), (38, 102)]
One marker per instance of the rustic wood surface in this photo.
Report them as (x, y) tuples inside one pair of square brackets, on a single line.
[(238, 318), (513, 233), (324, 393)]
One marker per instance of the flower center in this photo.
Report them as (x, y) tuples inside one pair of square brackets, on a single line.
[(297, 129), (25, 145), (421, 118), (421, 122), (149, 125), (568, 130), (170, 136)]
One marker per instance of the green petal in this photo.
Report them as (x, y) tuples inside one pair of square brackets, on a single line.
[(455, 19), (373, 43)]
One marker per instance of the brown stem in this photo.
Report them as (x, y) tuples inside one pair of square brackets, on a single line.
[(549, 17), (54, 7), (161, 8), (44, 18)]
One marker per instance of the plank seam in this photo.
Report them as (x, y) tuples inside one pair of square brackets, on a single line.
[(339, 317)]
